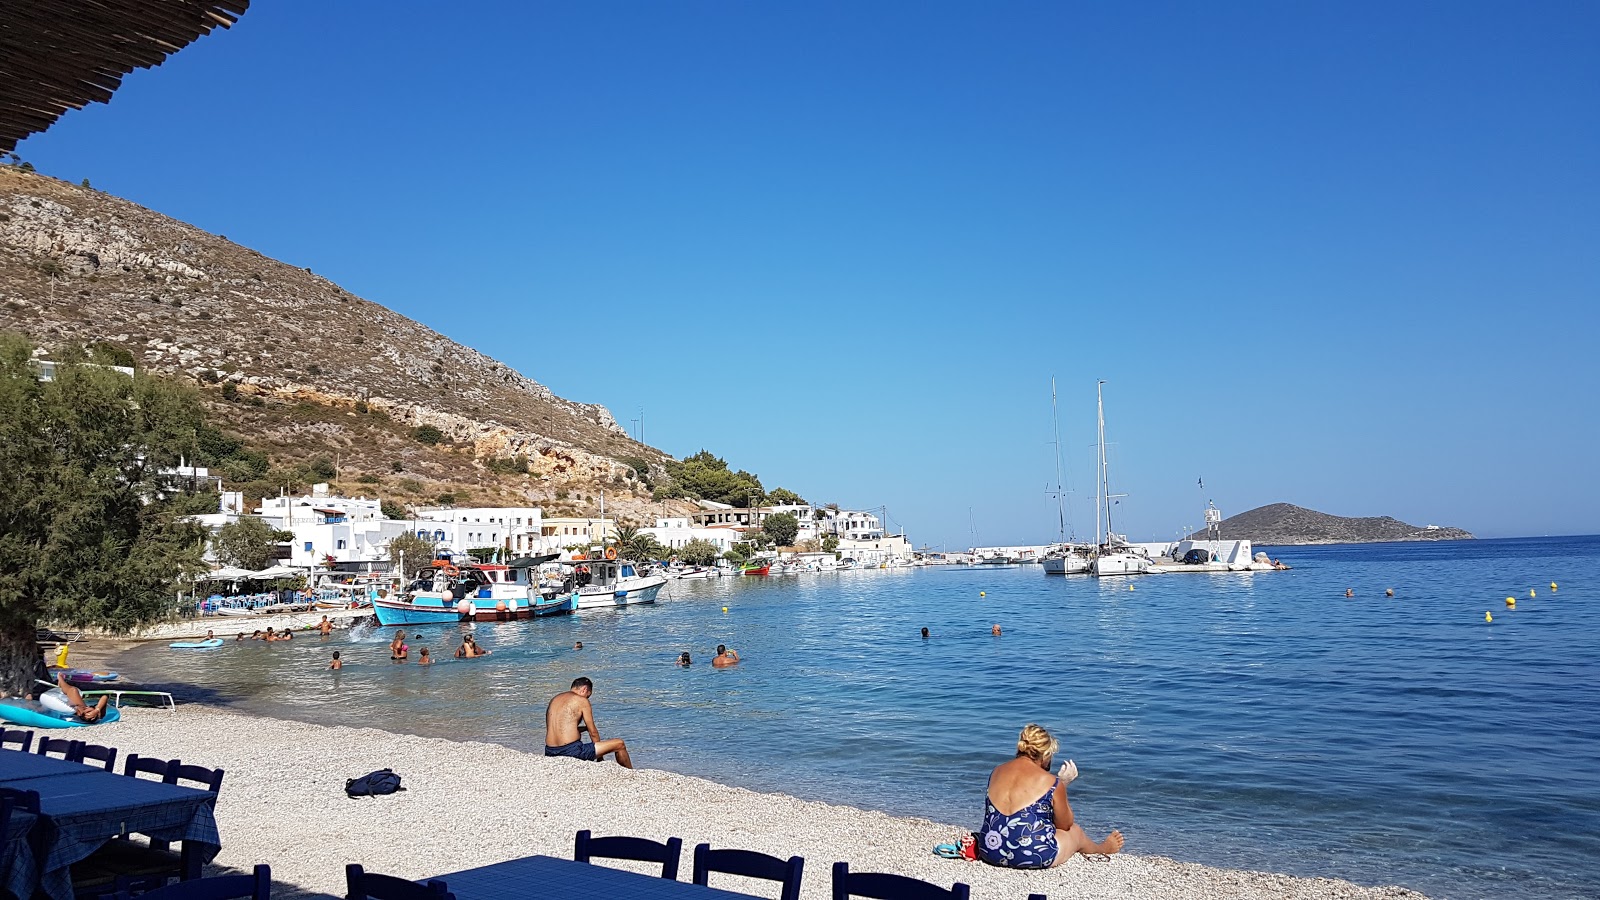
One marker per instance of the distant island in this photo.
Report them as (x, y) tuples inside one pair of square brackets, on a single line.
[(1285, 523)]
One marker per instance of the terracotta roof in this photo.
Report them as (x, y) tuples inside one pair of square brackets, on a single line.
[(57, 55)]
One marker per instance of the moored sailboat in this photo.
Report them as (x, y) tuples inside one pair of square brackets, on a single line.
[(1113, 556)]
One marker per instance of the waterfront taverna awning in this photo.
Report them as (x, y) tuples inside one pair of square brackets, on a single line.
[(227, 573), (275, 572)]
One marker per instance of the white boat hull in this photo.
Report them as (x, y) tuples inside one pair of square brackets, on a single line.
[(1065, 565), (1113, 564), (630, 592)]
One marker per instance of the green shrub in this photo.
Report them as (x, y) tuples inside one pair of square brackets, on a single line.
[(427, 434)]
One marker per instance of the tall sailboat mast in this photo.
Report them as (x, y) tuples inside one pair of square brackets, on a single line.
[(1100, 482), (1055, 423)]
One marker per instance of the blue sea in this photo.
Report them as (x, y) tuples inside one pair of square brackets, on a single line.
[(1261, 721)]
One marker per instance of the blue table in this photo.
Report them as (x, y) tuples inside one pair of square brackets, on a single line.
[(536, 877), (19, 873), (80, 812), (17, 766)]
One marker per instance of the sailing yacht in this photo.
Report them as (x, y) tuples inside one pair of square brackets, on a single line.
[(1063, 558), (1114, 557)]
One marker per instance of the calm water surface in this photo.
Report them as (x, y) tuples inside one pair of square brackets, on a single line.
[(1260, 721)]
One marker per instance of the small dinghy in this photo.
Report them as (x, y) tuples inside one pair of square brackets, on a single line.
[(210, 644)]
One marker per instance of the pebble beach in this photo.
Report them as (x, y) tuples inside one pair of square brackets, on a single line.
[(470, 804)]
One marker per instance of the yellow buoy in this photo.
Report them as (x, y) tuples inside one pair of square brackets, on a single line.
[(1552, 585), (1511, 603), (724, 609), (1130, 587), (1531, 594), (1487, 617), (983, 593)]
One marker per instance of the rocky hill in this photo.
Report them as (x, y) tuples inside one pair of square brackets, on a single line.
[(1285, 523), (299, 367)]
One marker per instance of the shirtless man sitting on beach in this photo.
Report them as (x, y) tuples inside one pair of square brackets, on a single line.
[(74, 696), (570, 711), (725, 657)]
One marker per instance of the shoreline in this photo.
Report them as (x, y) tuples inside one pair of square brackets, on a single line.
[(478, 803)]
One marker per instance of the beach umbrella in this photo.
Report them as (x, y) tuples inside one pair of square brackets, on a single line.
[(275, 572), (226, 573)]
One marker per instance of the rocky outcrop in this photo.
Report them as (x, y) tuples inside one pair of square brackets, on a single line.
[(80, 266), (1285, 523)]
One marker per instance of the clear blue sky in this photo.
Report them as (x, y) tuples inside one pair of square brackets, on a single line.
[(1345, 255)]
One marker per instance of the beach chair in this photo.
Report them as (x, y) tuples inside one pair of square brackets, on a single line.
[(750, 864), (17, 737), (136, 765), (363, 885), (257, 886), (125, 865), (199, 776), (94, 753), (67, 747), (20, 799), (884, 886), (588, 847)]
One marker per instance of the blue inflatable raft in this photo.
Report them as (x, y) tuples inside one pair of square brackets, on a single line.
[(30, 717), (211, 644)]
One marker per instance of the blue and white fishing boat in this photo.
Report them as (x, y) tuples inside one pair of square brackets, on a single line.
[(446, 594)]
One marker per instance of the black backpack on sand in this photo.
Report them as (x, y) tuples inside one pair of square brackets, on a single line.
[(383, 781)]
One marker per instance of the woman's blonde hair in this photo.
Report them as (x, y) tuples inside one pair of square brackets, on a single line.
[(1036, 743)]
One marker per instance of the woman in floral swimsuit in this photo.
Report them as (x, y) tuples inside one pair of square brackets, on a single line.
[(1039, 831)]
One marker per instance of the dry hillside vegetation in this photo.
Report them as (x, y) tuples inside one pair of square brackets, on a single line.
[(299, 367)]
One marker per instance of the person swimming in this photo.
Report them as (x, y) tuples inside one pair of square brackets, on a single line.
[(684, 660), (337, 663), (424, 659)]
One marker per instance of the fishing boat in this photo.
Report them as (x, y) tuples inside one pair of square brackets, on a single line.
[(608, 582), (445, 593), (1113, 556), (756, 568)]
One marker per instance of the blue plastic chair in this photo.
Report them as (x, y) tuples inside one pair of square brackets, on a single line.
[(884, 886), (257, 886), (633, 848), (363, 885), (750, 864)]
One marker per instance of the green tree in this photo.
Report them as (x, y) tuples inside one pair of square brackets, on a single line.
[(411, 551), (249, 543), (697, 553), (781, 529), (830, 543), (83, 541), (392, 510), (784, 497), (708, 477), (427, 434)]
